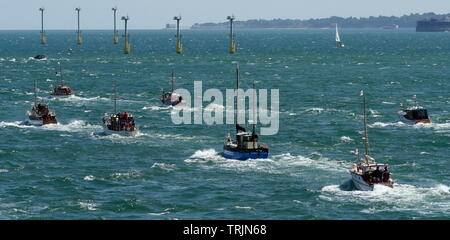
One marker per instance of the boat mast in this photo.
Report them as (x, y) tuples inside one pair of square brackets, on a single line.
[(60, 73), (173, 79), (254, 109), (237, 98), (115, 98), (254, 116), (366, 136), (35, 92)]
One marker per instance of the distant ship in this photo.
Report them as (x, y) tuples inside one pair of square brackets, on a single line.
[(339, 43), (40, 114), (119, 123), (434, 25), (367, 172), (171, 98), (246, 144), (61, 89), (414, 114)]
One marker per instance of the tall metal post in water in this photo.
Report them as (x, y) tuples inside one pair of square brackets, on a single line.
[(179, 45), (232, 37), (116, 35), (127, 48), (43, 39), (79, 39)]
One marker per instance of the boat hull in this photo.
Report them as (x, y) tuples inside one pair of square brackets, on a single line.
[(123, 133), (244, 155), (362, 185), (170, 101), (359, 182), (39, 122), (412, 122)]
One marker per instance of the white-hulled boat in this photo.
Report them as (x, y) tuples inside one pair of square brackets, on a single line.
[(367, 173), (40, 114)]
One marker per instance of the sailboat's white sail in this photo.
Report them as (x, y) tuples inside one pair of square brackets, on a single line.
[(338, 39)]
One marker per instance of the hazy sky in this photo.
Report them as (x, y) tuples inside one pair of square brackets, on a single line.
[(154, 14)]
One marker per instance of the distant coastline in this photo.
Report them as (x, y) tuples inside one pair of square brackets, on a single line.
[(392, 22)]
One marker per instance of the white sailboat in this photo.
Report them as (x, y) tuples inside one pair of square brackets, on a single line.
[(339, 43)]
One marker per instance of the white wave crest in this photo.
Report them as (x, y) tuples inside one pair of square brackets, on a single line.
[(346, 139), (440, 127), (164, 166), (155, 108), (277, 164), (89, 178), (403, 197)]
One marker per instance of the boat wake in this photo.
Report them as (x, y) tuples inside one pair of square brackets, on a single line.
[(157, 108), (74, 98), (403, 197), (440, 127), (276, 164), (178, 137), (17, 124), (116, 136), (73, 126)]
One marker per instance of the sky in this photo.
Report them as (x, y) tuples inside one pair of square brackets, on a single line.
[(154, 14)]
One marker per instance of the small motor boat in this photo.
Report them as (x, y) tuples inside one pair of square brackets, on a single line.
[(39, 57)]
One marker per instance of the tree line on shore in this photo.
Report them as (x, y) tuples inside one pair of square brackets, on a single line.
[(405, 21)]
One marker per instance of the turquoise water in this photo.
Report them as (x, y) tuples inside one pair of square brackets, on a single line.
[(74, 171)]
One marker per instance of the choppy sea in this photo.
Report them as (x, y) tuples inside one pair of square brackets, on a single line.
[(73, 170)]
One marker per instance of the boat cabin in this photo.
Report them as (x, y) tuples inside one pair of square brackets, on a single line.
[(120, 122), (247, 140), (416, 114), (62, 90), (373, 173)]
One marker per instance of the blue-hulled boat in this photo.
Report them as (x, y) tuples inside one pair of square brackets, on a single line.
[(245, 145)]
